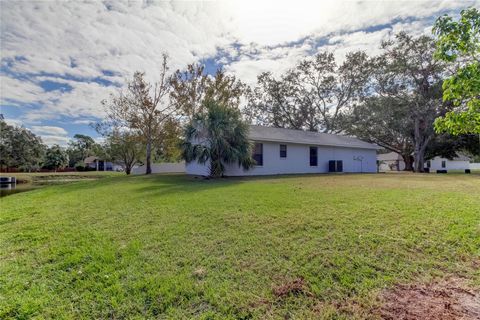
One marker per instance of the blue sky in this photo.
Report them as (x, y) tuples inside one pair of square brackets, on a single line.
[(60, 59)]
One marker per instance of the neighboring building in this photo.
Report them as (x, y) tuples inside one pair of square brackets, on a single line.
[(391, 161), (98, 164), (287, 151), (461, 162)]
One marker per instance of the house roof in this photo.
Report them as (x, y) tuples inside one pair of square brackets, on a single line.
[(260, 133), (390, 156), (90, 159), (460, 157)]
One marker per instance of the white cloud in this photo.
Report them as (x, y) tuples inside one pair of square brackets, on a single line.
[(49, 130), (84, 43), (52, 139), (18, 92)]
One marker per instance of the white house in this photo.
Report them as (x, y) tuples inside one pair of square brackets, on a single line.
[(98, 164), (287, 151), (461, 162), (391, 161)]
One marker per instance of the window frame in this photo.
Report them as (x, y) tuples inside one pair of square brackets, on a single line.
[(444, 164), (310, 156), (255, 155), (284, 155)]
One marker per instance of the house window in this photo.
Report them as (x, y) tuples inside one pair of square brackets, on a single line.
[(258, 154), (444, 164), (429, 164), (283, 151), (313, 156)]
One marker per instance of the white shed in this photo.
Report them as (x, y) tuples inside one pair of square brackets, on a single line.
[(287, 151), (461, 162)]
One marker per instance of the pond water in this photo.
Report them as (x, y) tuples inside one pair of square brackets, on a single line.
[(8, 189)]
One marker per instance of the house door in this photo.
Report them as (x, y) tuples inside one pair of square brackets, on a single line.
[(357, 164)]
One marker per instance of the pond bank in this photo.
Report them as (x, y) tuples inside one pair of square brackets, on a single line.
[(30, 181)]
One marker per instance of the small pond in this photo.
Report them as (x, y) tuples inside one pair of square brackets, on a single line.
[(8, 189), (40, 182)]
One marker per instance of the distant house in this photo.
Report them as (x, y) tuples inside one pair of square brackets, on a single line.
[(287, 151), (461, 162), (98, 164), (391, 161)]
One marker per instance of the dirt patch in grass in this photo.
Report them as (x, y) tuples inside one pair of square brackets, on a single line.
[(447, 299), (296, 286)]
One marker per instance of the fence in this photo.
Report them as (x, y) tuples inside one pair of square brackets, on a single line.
[(162, 168), (475, 166)]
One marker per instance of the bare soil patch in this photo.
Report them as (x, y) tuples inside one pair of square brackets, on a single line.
[(448, 299), (296, 286)]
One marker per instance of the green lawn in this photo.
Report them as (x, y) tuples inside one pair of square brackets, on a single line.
[(281, 247)]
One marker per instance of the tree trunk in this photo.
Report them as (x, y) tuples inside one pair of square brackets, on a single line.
[(128, 170), (421, 143), (407, 158), (149, 157)]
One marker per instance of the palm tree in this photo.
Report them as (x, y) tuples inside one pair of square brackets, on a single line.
[(218, 136)]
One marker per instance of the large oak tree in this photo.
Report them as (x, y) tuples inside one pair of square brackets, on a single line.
[(313, 95), (407, 74)]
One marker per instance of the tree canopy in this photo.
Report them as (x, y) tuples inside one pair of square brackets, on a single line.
[(143, 108), (20, 148), (313, 95), (55, 158), (458, 42), (191, 88)]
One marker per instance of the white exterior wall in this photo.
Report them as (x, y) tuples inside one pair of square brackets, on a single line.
[(436, 164), (197, 169), (162, 168), (298, 161)]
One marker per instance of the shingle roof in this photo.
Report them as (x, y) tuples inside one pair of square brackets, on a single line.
[(90, 159), (391, 156), (260, 133)]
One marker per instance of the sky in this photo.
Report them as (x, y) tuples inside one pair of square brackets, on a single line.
[(60, 59)]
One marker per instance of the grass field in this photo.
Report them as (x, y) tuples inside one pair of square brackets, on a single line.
[(281, 247)]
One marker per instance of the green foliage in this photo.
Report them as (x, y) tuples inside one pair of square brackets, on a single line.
[(142, 108), (313, 95), (459, 42), (167, 147), (219, 137), (56, 158), (173, 247), (385, 121), (124, 147), (81, 147), (403, 97), (192, 87), (20, 148)]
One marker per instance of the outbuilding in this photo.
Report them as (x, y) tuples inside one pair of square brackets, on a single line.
[(288, 151), (460, 162)]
